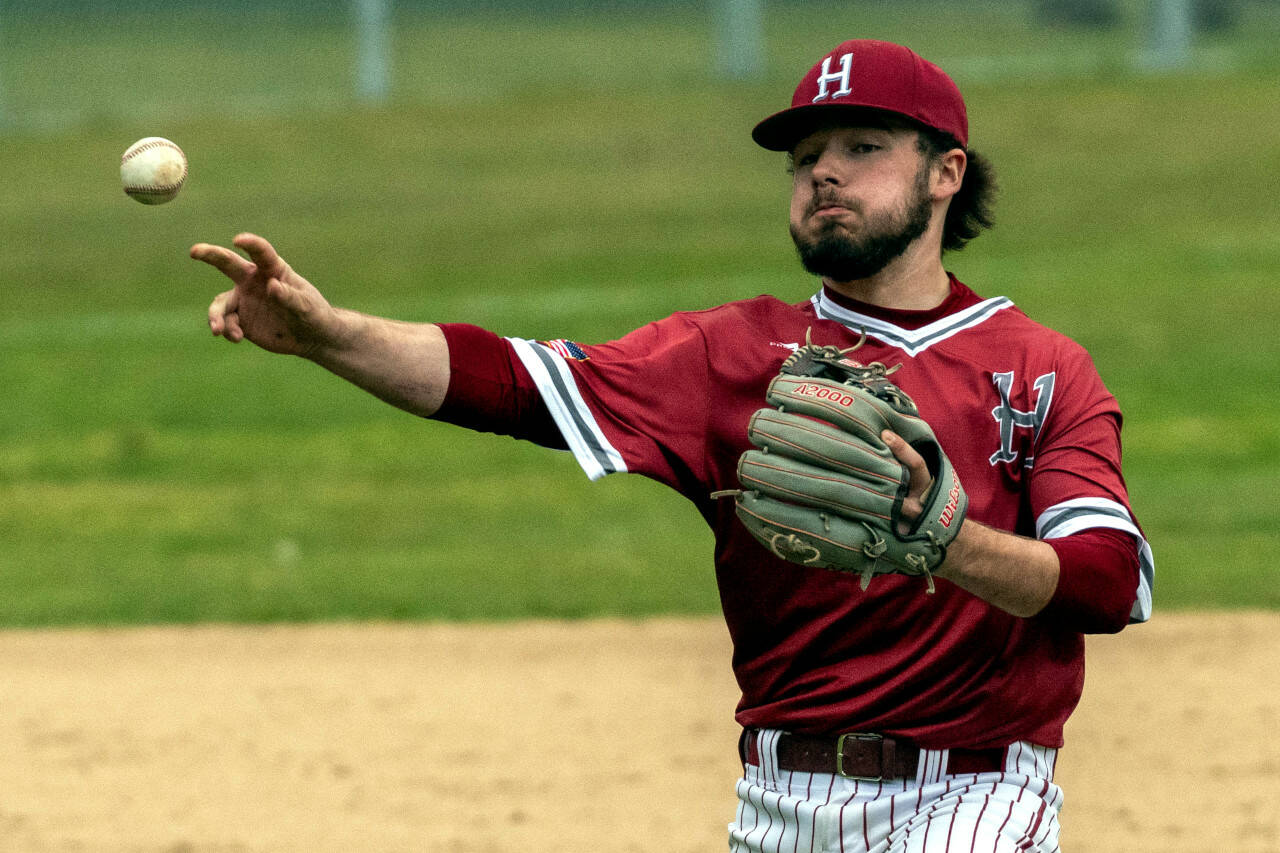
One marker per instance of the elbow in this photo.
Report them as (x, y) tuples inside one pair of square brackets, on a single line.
[(1093, 614), (1097, 582), (1107, 620)]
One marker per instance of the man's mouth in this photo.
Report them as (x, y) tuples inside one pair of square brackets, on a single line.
[(829, 207), (830, 210)]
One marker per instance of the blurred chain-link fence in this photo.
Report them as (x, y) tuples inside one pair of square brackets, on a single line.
[(69, 62)]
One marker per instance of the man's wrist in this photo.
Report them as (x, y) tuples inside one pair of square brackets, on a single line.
[(962, 549), (1016, 574), (341, 332)]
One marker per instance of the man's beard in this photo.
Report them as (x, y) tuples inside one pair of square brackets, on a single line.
[(838, 255)]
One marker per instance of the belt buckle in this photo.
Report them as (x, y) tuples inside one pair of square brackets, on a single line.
[(862, 736)]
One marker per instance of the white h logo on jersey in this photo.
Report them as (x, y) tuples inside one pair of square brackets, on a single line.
[(827, 77), (1010, 418)]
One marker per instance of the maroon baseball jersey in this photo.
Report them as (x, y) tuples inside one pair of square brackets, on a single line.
[(1020, 410)]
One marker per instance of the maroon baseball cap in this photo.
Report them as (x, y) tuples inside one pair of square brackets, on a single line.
[(865, 74)]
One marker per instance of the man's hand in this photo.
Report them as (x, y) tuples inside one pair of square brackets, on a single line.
[(1016, 574), (405, 364), (270, 304), (918, 469)]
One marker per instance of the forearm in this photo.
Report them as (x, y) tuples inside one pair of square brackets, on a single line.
[(404, 364), (1016, 574)]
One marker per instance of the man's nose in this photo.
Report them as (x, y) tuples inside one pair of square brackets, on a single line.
[(827, 169)]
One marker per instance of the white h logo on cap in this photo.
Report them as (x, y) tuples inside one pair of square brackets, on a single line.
[(826, 77)]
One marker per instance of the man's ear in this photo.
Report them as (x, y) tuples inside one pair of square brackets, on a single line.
[(948, 174)]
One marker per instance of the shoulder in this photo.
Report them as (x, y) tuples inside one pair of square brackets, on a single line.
[(735, 322), (1046, 342), (755, 309), (996, 339), (999, 317), (1002, 330), (1029, 361), (729, 325)]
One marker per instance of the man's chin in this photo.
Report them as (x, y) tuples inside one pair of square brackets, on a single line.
[(841, 259)]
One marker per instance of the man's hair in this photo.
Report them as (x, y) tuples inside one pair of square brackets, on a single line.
[(970, 210)]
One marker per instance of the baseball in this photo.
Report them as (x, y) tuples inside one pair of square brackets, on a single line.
[(152, 170)]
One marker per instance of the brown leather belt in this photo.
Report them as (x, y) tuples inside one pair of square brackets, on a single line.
[(862, 756)]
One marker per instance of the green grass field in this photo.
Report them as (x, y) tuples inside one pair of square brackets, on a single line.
[(149, 473)]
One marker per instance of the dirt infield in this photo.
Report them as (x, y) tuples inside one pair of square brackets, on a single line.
[(597, 736)]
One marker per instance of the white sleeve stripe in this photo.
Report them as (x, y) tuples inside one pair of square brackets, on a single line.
[(1084, 520), (1141, 611), (1072, 516), (555, 382), (1057, 513)]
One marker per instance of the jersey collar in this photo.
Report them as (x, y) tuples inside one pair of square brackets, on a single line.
[(911, 331)]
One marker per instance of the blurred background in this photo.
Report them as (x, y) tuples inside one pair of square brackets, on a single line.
[(569, 169)]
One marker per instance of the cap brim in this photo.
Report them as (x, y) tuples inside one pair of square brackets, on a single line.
[(781, 131)]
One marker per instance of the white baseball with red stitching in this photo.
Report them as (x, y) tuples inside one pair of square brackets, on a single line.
[(153, 170)]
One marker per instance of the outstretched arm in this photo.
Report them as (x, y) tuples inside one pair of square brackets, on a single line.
[(405, 364)]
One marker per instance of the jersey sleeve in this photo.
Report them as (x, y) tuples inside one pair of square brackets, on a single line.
[(1076, 485), (489, 390), (1098, 570), (638, 404)]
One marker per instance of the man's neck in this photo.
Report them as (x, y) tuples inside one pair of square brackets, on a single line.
[(912, 282)]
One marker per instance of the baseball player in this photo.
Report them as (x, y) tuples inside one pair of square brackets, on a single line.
[(915, 491)]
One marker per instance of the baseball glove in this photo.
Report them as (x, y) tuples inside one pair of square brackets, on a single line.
[(824, 490)]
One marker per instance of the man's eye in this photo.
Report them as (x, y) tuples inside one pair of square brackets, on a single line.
[(864, 148), (807, 160)]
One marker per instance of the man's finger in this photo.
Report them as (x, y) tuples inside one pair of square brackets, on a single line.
[(231, 328), (262, 253), (907, 455), (227, 262), (218, 309), (286, 296), (224, 305)]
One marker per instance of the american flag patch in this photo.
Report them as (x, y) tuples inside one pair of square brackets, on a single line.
[(566, 349)]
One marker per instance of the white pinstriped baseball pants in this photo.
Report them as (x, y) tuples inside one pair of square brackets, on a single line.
[(1016, 811)]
